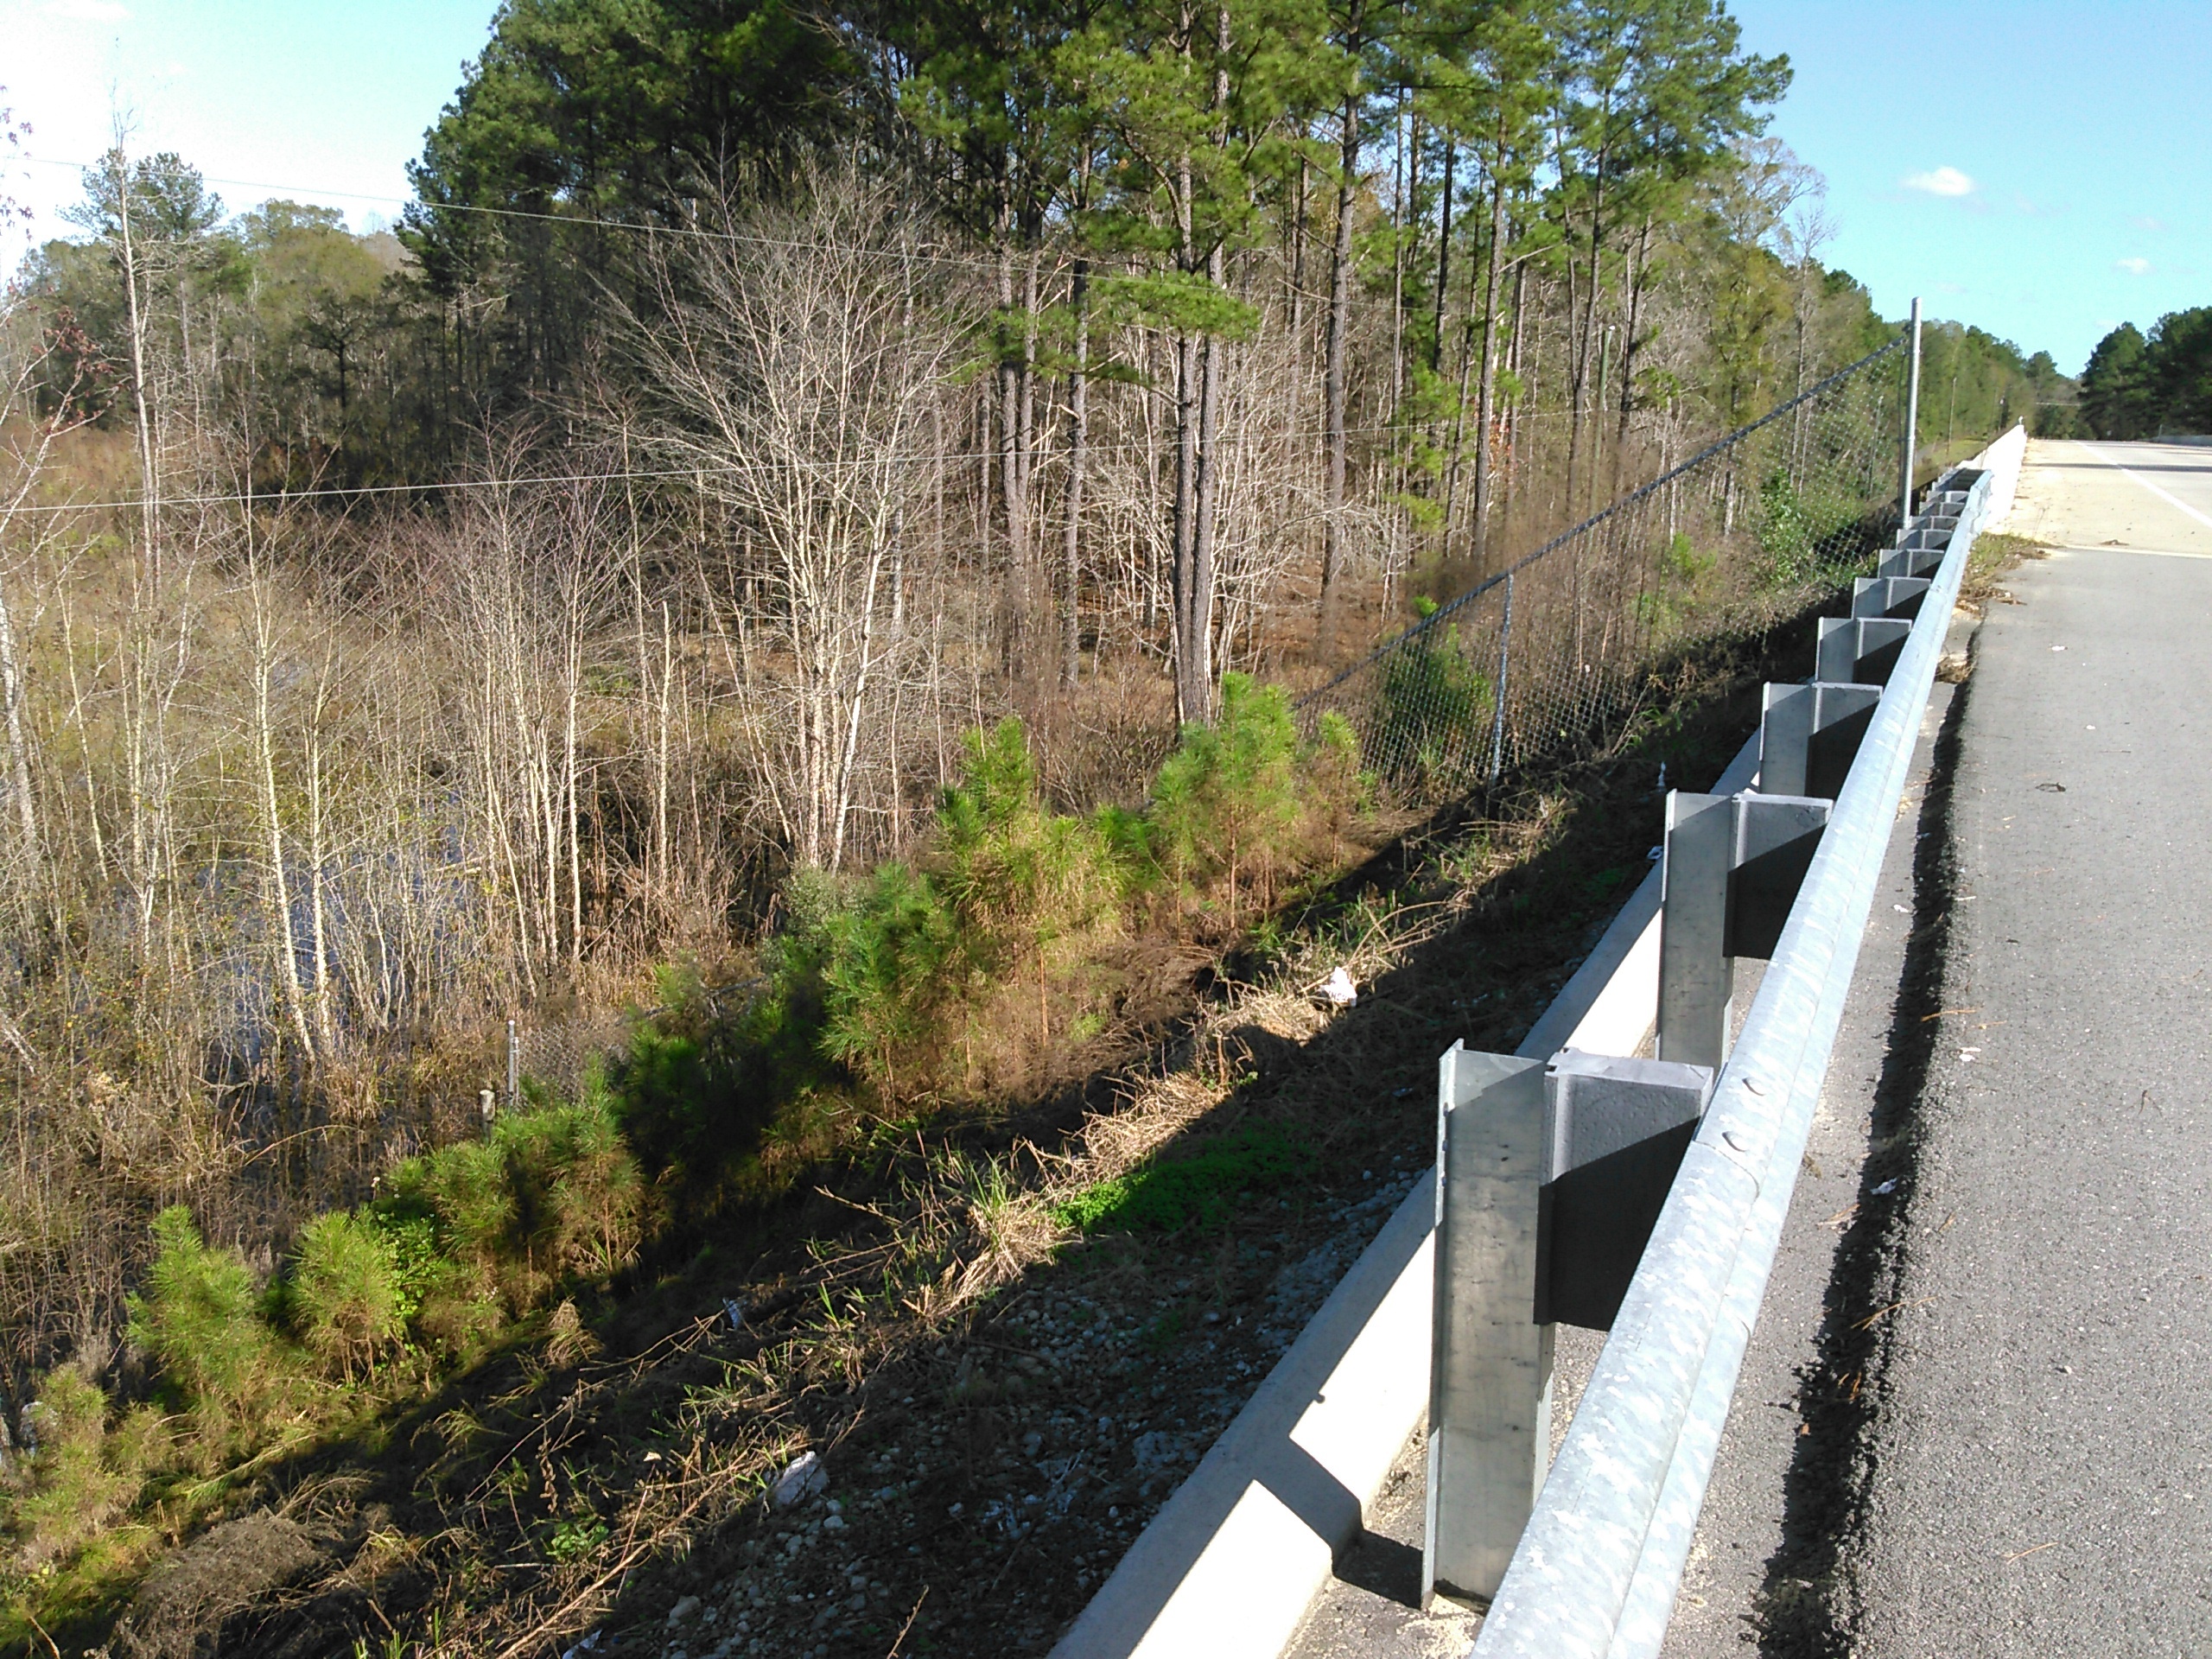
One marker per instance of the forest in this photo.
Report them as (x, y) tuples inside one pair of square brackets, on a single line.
[(780, 577), (2136, 387)]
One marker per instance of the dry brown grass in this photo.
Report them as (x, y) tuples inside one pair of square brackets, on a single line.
[(1993, 554)]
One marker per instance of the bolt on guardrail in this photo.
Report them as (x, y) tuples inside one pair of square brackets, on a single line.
[(1646, 1196)]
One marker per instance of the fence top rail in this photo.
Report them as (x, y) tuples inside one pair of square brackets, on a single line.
[(1443, 613), (1595, 1572)]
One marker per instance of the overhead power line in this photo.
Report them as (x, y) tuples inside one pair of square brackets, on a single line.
[(336, 492), (966, 262)]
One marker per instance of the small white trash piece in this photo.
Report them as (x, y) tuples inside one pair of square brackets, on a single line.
[(804, 1477), (1339, 990)]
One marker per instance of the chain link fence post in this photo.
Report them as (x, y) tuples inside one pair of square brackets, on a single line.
[(1505, 669)]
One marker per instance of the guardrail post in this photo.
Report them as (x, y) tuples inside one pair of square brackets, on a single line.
[(1615, 1131), (1902, 560), (1859, 649), (1895, 597), (1550, 1176), (1489, 1393), (1808, 735), (1730, 865)]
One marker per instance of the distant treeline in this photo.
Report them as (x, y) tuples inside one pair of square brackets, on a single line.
[(2135, 387)]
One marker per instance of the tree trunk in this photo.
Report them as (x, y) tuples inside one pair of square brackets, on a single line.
[(1486, 385), (1637, 271), (1202, 537), (1443, 256), (1078, 437), (19, 760), (1011, 489), (1199, 652), (147, 477), (660, 757), (276, 892), (1518, 349), (1039, 581), (318, 864), (1335, 375), (1583, 343)]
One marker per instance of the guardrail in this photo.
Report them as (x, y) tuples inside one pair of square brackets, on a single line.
[(1598, 1565)]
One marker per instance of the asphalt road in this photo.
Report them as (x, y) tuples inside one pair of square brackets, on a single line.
[(2151, 498), (2039, 1477)]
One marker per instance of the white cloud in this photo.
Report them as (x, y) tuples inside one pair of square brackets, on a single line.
[(2133, 267), (1943, 182), (2144, 222), (89, 12)]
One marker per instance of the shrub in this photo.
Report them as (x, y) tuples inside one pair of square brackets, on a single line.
[(1435, 718), (1227, 798), (682, 1103), (1007, 880), (577, 1194), (897, 958), (81, 1476), (699, 1085), (347, 1297), (553, 1192), (1678, 580), (1785, 532), (461, 1192), (1334, 789), (1018, 875), (201, 1319)]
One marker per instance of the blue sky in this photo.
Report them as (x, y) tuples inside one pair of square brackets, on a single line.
[(2040, 169), (2061, 155), (333, 93)]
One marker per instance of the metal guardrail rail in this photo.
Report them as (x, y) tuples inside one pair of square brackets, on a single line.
[(1599, 1564)]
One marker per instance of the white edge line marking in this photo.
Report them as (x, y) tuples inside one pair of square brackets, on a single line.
[(2170, 501)]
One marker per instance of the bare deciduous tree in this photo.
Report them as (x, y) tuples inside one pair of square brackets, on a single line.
[(798, 362)]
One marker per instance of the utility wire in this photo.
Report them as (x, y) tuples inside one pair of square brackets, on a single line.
[(965, 261), (276, 497)]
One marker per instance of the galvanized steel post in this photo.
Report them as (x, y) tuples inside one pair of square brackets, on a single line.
[(1498, 700), (1489, 1389), (1911, 421)]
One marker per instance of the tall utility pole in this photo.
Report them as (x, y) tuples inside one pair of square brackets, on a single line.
[(1911, 422)]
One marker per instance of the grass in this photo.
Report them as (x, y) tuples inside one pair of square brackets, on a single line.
[(1993, 554), (1200, 1190)]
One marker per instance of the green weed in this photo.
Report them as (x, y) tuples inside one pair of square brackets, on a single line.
[(1201, 1190), (574, 1538)]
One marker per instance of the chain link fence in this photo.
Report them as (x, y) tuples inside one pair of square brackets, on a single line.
[(1549, 657), (1552, 655), (558, 1057)]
